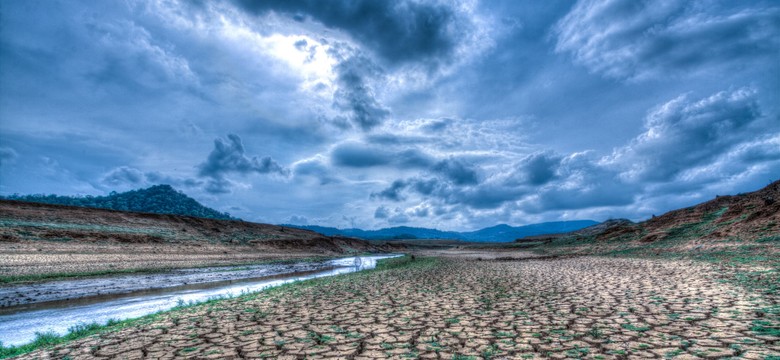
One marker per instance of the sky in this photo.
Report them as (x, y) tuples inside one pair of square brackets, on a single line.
[(449, 114)]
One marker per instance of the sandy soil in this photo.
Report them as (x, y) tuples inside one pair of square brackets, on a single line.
[(584, 307)]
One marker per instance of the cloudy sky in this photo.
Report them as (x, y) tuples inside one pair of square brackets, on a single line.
[(450, 114)]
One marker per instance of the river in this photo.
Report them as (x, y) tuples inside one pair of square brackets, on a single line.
[(19, 324)]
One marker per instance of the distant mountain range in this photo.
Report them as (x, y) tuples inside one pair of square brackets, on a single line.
[(498, 233), (164, 199), (158, 199)]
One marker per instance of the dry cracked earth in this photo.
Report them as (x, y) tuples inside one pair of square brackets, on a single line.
[(595, 308)]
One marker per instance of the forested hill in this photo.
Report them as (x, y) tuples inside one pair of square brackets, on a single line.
[(159, 199)]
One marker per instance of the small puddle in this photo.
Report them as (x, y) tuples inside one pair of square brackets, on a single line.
[(19, 324)]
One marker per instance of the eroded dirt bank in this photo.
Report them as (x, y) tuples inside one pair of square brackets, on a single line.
[(39, 241), (580, 307), (32, 258)]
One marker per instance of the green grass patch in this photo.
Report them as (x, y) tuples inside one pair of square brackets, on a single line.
[(49, 339), (769, 239), (633, 327), (765, 327)]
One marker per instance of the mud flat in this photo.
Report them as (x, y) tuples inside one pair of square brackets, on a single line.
[(581, 307)]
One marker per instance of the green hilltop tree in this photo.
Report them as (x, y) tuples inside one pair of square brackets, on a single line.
[(158, 199)]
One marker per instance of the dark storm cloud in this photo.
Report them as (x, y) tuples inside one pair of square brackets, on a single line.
[(574, 182), (398, 218), (229, 157), (381, 212), (425, 186), (486, 195), (456, 170), (393, 216), (301, 44), (535, 169), (453, 181), (393, 192), (217, 186), (421, 212), (540, 168), (397, 31), (355, 96), (683, 134), (582, 184), (637, 39), (353, 154), (452, 190), (360, 155)]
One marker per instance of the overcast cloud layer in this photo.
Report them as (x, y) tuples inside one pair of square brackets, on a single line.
[(455, 115)]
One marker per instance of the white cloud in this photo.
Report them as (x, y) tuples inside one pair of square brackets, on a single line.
[(683, 133)]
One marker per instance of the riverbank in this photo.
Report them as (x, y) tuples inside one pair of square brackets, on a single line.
[(21, 324), (14, 295)]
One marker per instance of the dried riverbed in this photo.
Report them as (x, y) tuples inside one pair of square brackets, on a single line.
[(584, 307)]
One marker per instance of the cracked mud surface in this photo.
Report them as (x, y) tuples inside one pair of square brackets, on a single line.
[(596, 308)]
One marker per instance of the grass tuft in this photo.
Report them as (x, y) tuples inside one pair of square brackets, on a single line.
[(49, 339)]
